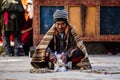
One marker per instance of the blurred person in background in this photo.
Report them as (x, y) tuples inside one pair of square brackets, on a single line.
[(12, 20), (27, 29)]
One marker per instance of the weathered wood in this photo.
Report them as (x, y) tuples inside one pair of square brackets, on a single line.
[(103, 38), (67, 3), (78, 2)]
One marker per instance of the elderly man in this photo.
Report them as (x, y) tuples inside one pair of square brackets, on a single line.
[(61, 39)]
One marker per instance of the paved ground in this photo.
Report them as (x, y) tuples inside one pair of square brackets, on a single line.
[(104, 68)]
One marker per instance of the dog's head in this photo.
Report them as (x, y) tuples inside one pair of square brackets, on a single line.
[(59, 65)]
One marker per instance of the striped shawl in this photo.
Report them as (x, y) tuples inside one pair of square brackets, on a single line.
[(39, 54)]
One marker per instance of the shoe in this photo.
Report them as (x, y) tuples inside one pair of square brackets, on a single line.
[(50, 65), (118, 54), (109, 53), (4, 54), (69, 65), (11, 54)]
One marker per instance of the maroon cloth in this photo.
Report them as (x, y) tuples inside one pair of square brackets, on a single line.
[(27, 37)]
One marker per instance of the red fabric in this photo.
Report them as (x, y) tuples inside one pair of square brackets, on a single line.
[(76, 60), (26, 37), (0, 38), (6, 18)]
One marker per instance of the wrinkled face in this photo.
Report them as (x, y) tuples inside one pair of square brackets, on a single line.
[(60, 26)]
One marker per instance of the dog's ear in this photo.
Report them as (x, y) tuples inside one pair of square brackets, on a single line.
[(56, 66)]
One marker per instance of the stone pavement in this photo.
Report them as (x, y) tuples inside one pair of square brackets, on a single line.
[(104, 68)]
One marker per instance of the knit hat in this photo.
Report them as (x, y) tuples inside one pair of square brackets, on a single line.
[(60, 14)]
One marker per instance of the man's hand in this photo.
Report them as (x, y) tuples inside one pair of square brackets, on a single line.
[(53, 58), (63, 58)]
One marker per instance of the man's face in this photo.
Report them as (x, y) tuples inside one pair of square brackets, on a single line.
[(60, 26)]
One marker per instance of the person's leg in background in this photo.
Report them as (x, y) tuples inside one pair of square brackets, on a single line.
[(18, 46), (6, 43)]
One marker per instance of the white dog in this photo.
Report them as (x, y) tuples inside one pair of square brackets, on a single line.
[(59, 66)]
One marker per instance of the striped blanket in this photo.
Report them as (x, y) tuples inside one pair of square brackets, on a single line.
[(40, 52)]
